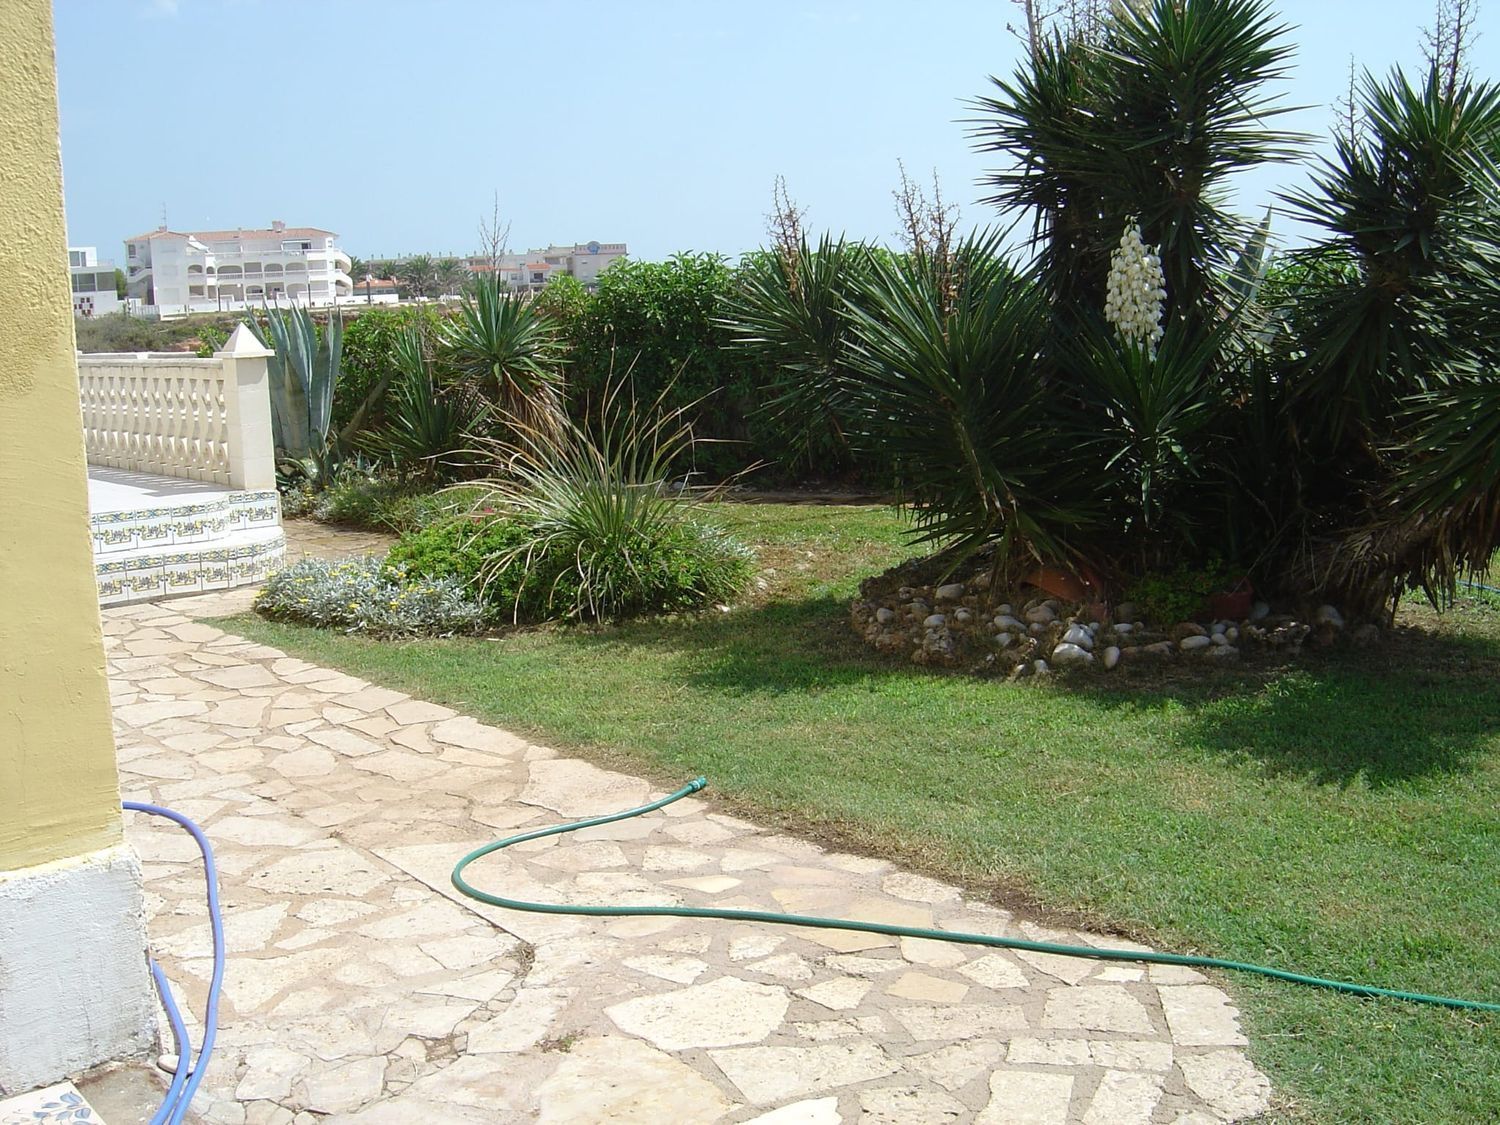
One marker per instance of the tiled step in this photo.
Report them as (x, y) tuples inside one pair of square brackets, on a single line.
[(156, 537), (183, 521), (145, 573)]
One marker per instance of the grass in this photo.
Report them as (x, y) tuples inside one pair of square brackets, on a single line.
[(1337, 815)]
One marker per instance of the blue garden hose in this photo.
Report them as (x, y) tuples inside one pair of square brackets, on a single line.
[(1148, 957), (190, 1070)]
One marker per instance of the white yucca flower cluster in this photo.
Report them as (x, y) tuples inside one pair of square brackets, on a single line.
[(1136, 290)]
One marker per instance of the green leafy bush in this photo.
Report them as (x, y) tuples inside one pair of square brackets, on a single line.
[(585, 526), (369, 596), (1165, 597), (486, 555), (657, 325), (368, 364), (377, 501)]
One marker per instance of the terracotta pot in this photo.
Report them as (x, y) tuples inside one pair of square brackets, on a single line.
[(1234, 604), (1059, 583)]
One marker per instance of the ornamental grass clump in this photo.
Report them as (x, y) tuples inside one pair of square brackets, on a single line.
[(608, 534), (365, 595)]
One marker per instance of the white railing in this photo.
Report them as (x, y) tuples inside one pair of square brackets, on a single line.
[(181, 416)]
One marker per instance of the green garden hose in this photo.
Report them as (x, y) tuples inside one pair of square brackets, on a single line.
[(897, 931)]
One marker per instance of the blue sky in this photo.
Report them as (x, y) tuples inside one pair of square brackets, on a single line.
[(655, 122)]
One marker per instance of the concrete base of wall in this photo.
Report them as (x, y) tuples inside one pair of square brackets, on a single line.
[(74, 986)]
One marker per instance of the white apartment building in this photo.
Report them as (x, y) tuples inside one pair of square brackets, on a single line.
[(212, 270), (532, 269), (94, 291)]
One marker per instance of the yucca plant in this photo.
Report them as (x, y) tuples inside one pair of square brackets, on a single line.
[(1387, 376), (429, 430), (1152, 413), (790, 308), (950, 384), (502, 345), (1148, 120), (1410, 203)]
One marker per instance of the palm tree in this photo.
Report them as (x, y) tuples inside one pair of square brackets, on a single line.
[(359, 270), (418, 277), (452, 277)]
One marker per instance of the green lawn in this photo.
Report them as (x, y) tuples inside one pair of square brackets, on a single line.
[(1337, 816)]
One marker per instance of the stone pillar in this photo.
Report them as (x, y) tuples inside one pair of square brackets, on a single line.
[(74, 987), (247, 408)]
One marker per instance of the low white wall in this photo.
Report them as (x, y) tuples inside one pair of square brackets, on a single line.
[(181, 416), (74, 985), (155, 413)]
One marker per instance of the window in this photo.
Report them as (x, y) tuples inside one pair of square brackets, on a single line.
[(105, 283), (83, 283), (130, 250), (295, 244), (77, 258)]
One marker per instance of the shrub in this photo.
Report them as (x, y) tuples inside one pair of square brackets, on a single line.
[(369, 596), (368, 362), (596, 499), (1179, 594), (121, 333), (429, 430), (484, 555), (584, 526), (656, 324), (376, 502)]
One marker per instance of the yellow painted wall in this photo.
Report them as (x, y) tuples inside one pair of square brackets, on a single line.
[(59, 791)]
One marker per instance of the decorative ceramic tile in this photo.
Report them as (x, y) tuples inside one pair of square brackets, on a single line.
[(57, 1103)]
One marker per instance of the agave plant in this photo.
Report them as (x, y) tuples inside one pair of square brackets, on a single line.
[(303, 372), (500, 343)]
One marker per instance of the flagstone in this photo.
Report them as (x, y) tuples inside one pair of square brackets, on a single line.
[(721, 1013), (240, 676), (1228, 1082), (1099, 1007), (310, 761), (818, 1111), (1200, 1015), (1027, 1097), (954, 1067), (614, 1079), (576, 789), (408, 710), (771, 1074), (1124, 1098), (471, 735), (909, 1105), (840, 994)]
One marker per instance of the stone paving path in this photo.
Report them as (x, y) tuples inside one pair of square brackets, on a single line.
[(306, 538), (361, 988)]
